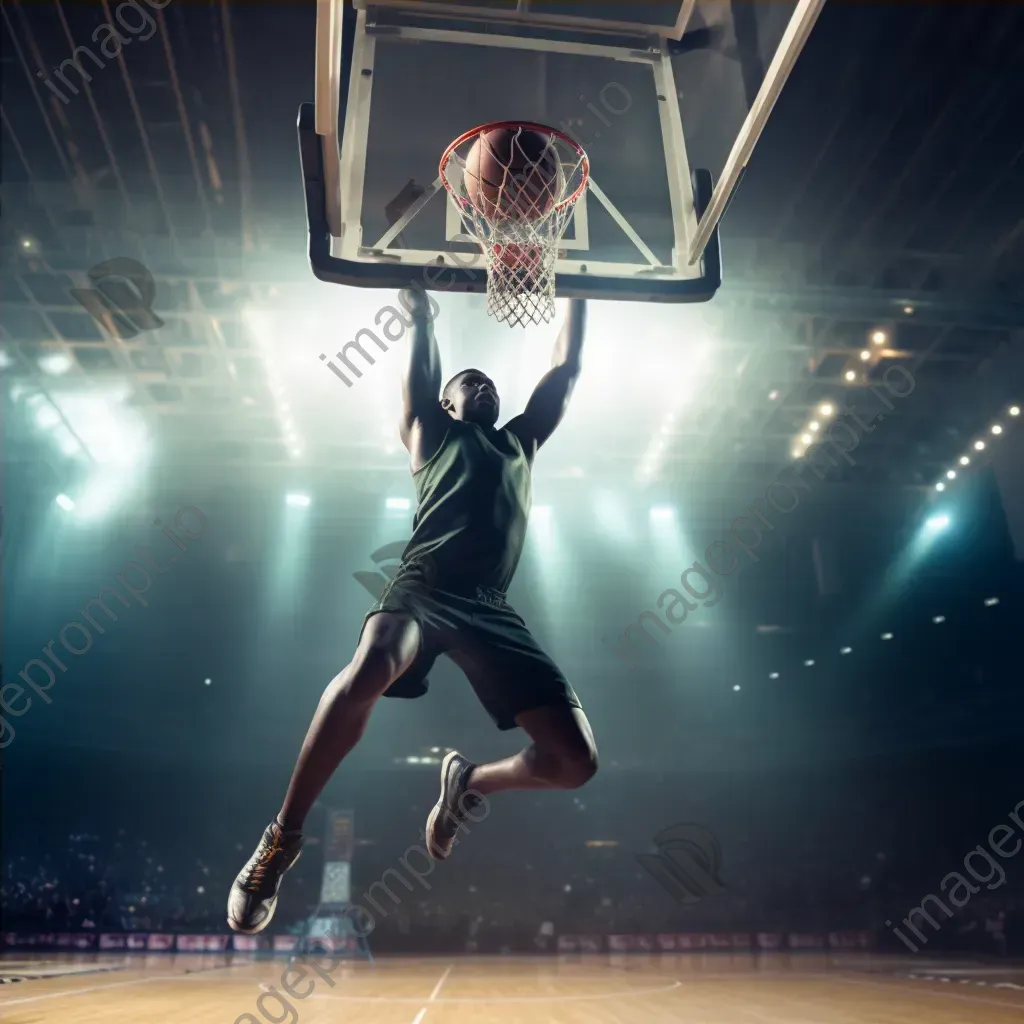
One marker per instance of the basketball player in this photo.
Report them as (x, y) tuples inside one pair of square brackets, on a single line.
[(472, 484)]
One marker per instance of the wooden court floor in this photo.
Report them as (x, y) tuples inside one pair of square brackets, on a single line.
[(636, 989)]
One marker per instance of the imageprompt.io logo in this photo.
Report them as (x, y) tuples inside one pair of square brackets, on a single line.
[(387, 559), (122, 299), (687, 862)]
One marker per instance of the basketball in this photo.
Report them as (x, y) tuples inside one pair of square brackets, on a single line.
[(512, 173)]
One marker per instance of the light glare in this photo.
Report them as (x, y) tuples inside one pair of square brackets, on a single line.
[(55, 363), (47, 417)]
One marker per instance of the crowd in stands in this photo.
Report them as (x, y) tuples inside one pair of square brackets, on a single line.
[(542, 867), (104, 883)]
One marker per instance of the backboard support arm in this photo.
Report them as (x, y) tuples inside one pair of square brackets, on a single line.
[(793, 40)]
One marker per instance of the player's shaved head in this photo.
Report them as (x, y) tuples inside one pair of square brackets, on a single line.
[(471, 395), (457, 379)]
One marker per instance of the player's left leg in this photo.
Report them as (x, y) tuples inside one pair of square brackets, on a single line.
[(521, 687), (563, 754)]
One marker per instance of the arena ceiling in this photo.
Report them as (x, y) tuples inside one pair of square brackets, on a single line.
[(886, 195)]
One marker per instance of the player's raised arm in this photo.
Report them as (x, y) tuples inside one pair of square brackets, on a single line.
[(421, 383), (550, 398)]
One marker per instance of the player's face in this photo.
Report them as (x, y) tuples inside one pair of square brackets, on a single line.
[(476, 399)]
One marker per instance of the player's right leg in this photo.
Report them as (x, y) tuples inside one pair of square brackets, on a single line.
[(387, 647)]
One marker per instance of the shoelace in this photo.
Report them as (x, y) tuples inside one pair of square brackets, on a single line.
[(267, 854)]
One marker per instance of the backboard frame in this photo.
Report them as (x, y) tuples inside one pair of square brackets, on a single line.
[(527, 12), (347, 233), (333, 138)]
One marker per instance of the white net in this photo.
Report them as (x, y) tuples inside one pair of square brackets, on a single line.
[(515, 187)]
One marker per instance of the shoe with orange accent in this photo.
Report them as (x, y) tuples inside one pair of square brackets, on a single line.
[(253, 897)]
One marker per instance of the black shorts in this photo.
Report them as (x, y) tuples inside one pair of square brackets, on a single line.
[(484, 635)]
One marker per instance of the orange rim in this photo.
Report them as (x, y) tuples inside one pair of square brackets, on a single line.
[(527, 126)]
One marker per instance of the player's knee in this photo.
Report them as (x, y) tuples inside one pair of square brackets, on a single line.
[(372, 671), (386, 648), (579, 768)]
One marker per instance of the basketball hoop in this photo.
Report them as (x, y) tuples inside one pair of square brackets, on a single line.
[(515, 184)]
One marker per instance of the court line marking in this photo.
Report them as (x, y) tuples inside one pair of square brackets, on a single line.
[(437, 987), (924, 990), (507, 999), (203, 975), (433, 995), (356, 977), (935, 972), (40, 969), (946, 980), (82, 991), (115, 984)]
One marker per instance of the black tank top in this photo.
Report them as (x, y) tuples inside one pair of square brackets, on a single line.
[(473, 499)]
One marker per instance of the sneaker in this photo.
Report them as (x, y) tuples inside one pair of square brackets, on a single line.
[(253, 897), (453, 808)]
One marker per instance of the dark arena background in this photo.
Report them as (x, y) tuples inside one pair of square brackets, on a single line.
[(776, 544)]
